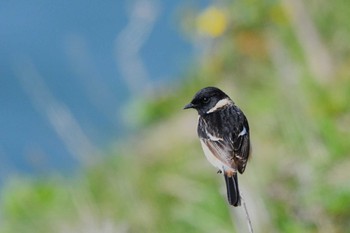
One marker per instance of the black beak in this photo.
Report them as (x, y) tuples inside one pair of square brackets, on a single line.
[(190, 105)]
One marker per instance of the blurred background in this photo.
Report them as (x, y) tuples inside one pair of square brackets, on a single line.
[(93, 137)]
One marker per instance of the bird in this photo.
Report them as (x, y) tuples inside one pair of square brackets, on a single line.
[(223, 131)]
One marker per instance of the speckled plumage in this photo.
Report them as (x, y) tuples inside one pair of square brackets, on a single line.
[(223, 130), (227, 123)]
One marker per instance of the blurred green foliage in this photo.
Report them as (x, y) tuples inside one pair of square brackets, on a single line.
[(159, 181)]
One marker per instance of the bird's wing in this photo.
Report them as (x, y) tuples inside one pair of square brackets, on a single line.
[(240, 143), (229, 144), (220, 149)]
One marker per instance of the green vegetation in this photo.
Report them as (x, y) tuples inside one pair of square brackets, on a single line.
[(295, 90)]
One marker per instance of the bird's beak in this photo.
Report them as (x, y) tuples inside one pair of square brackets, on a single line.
[(190, 105)]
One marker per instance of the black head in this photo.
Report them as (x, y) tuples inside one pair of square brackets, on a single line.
[(206, 99)]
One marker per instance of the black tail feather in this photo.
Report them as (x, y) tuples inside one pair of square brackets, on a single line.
[(233, 195)]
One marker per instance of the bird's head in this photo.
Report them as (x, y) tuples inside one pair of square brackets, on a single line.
[(207, 100)]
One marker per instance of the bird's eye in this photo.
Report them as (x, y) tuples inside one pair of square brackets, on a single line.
[(205, 100)]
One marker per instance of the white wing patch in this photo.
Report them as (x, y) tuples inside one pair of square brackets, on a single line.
[(243, 132), (220, 104), (213, 138)]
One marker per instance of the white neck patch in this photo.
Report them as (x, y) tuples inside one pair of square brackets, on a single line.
[(220, 104)]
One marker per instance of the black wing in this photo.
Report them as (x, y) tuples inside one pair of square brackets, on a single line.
[(241, 146), (226, 133)]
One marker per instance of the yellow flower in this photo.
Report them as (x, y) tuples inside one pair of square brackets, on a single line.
[(212, 22)]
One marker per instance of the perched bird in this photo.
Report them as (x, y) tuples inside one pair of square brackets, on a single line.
[(223, 131)]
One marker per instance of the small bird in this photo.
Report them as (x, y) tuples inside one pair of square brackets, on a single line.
[(223, 131)]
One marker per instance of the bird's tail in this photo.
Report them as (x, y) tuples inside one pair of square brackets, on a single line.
[(233, 195)]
